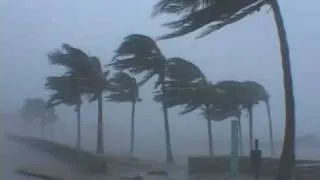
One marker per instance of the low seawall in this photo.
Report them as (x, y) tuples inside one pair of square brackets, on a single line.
[(220, 164), (81, 160)]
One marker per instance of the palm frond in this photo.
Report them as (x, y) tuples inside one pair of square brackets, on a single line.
[(180, 6), (122, 80), (121, 96), (139, 45), (52, 103), (92, 97), (124, 88), (255, 91), (183, 70), (197, 14), (139, 54), (74, 59), (189, 95), (189, 108), (67, 90), (212, 112), (173, 96), (245, 93), (235, 18)]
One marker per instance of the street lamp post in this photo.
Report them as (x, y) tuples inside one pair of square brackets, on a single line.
[(256, 159)]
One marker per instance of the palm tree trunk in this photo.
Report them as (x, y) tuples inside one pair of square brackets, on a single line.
[(132, 128), (287, 159), (169, 155), (250, 127), (100, 146), (270, 129), (240, 137), (78, 126), (210, 137)]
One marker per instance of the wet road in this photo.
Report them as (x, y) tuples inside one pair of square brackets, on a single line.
[(14, 155)]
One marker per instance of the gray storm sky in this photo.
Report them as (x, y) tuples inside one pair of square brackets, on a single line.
[(247, 50)]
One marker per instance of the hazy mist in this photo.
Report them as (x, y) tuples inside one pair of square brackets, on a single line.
[(247, 50)]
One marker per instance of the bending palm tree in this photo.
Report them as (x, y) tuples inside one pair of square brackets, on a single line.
[(216, 113), (125, 89), (219, 13), (140, 54), (187, 86), (91, 79), (96, 83), (255, 93), (185, 81), (66, 91), (247, 94)]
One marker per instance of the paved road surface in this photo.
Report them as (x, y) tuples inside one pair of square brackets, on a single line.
[(15, 155)]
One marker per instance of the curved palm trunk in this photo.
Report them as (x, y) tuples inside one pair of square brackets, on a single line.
[(210, 137), (169, 155), (78, 126), (250, 127), (270, 129), (133, 109), (100, 146), (240, 137), (287, 159)]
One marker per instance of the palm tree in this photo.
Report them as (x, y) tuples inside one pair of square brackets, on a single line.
[(125, 89), (187, 86), (219, 13), (140, 54), (255, 93), (35, 108), (219, 110), (216, 113), (66, 91), (96, 83), (247, 94), (92, 80)]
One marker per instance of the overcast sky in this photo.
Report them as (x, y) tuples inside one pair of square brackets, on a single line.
[(247, 50)]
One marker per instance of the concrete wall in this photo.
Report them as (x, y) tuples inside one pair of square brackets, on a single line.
[(220, 164), (78, 159)]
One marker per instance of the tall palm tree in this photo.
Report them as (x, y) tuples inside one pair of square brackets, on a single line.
[(96, 83), (187, 86), (92, 80), (125, 89), (66, 91), (219, 13), (140, 54), (247, 94), (255, 93)]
